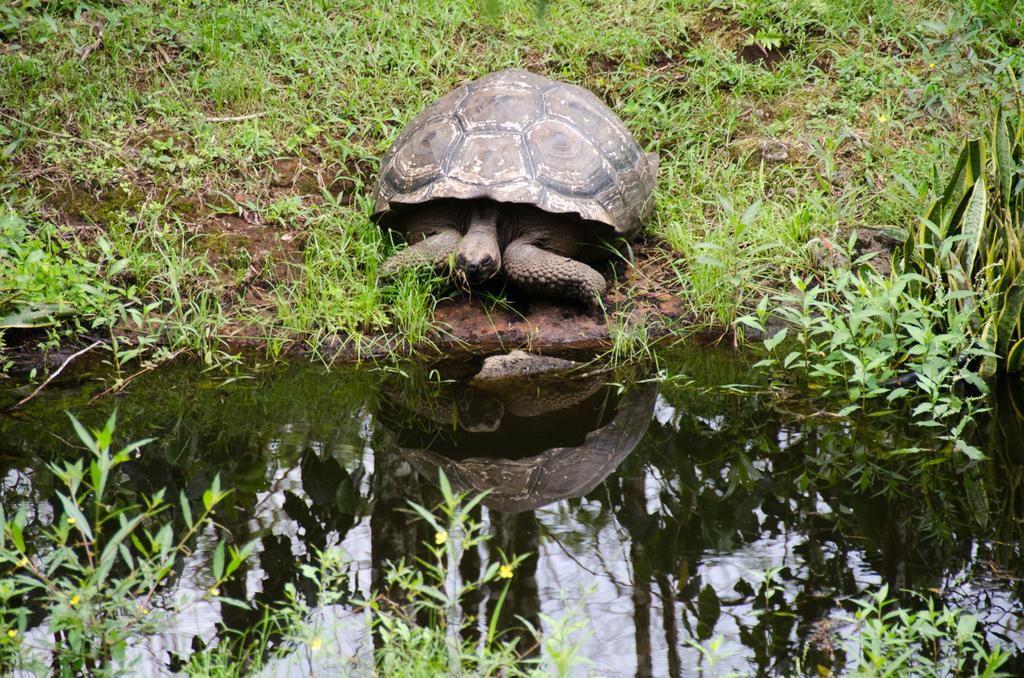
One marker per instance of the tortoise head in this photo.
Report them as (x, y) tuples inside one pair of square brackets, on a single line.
[(478, 254)]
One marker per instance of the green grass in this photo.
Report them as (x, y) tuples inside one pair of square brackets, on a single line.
[(167, 135)]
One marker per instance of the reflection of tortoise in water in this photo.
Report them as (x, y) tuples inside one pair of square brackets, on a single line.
[(529, 441), (520, 174)]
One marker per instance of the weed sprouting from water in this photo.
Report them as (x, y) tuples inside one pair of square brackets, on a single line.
[(97, 572), (417, 618), (889, 639)]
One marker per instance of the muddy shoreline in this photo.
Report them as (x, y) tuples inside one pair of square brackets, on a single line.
[(465, 328)]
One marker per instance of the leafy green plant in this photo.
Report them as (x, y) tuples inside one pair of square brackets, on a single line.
[(79, 595), (865, 337), (284, 210), (766, 40), (890, 640), (432, 590), (97, 570), (970, 238), (43, 282)]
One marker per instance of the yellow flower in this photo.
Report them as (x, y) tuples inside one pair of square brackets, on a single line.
[(316, 644), (215, 591), (505, 572), (12, 633), (882, 117), (71, 521), (75, 600), (23, 562), (440, 537), (144, 610), (931, 67)]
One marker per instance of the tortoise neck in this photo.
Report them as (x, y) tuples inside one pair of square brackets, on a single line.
[(482, 220), (478, 254)]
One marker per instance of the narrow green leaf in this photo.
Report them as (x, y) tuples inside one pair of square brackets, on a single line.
[(953, 223), (131, 447), (966, 625), (1015, 357), (446, 488), (954, 189), (127, 556), (975, 161), (239, 556), (1004, 159), (1009, 315), (110, 551), (425, 514), (218, 560), (81, 524), (493, 626), (83, 434), (186, 510), (471, 504), (234, 602), (974, 226), (106, 435), (776, 339), (17, 527), (971, 451)]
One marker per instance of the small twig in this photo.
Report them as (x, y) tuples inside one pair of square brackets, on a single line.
[(238, 118), (118, 386), (95, 143), (88, 49), (53, 376)]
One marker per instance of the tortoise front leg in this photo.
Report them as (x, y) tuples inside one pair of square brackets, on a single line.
[(434, 252), (551, 275)]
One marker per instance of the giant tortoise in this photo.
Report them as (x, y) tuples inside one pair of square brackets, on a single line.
[(517, 173)]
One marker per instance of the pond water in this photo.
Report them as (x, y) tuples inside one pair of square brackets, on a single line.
[(652, 502)]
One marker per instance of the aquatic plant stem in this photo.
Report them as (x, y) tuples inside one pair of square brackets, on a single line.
[(492, 627), (453, 616)]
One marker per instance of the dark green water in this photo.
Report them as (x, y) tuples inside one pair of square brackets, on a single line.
[(660, 507)]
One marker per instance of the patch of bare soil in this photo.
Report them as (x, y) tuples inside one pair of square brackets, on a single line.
[(768, 57)]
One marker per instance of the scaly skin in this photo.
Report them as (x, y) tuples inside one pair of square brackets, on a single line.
[(538, 256), (551, 275), (434, 251)]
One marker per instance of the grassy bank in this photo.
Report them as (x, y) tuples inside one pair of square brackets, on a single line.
[(182, 174)]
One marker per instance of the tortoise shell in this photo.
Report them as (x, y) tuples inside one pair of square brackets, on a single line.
[(518, 137)]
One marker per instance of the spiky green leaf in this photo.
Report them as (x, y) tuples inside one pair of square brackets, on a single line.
[(974, 226), (1009, 316), (1004, 157), (1015, 357)]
